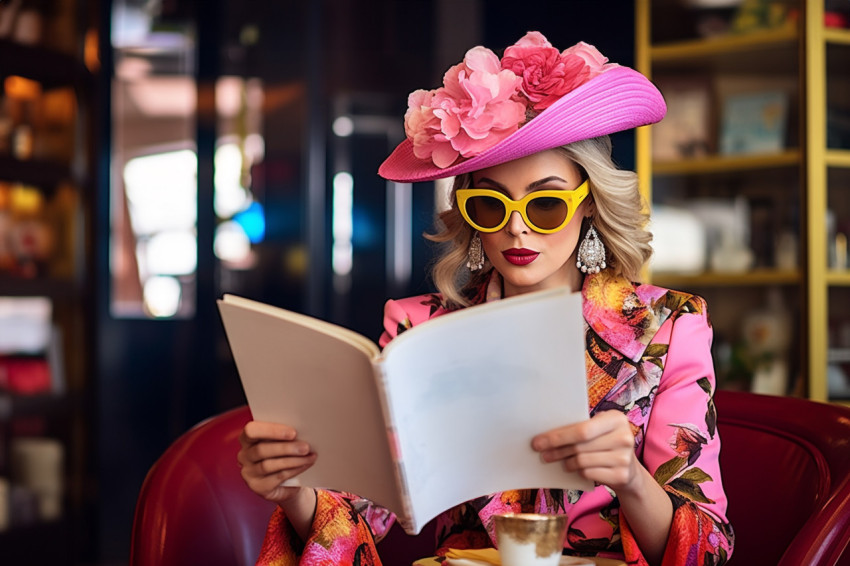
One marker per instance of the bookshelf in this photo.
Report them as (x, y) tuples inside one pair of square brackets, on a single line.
[(45, 197), (807, 177)]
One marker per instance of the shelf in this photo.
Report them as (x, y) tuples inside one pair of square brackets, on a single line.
[(838, 158), (710, 279), (838, 278), (837, 36), (838, 355), (51, 539), (39, 287), (43, 174), (732, 44), (51, 68), (766, 51), (728, 163), (41, 405)]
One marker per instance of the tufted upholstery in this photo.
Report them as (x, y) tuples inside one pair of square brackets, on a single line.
[(786, 466)]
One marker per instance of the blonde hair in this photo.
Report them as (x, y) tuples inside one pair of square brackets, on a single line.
[(619, 217)]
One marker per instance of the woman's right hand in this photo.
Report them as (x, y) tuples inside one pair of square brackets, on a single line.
[(270, 455)]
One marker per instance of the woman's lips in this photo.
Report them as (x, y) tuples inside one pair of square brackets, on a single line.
[(520, 256)]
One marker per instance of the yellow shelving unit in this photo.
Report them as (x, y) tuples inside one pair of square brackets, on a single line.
[(756, 277), (727, 163), (799, 51)]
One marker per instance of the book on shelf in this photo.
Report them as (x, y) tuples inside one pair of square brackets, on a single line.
[(444, 414), (754, 123), (31, 359)]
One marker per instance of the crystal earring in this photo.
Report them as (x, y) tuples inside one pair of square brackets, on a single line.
[(475, 259), (591, 252)]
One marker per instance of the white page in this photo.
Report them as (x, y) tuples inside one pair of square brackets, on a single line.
[(471, 435), (320, 385)]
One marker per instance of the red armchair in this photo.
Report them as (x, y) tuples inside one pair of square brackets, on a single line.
[(786, 470), (194, 508), (786, 466)]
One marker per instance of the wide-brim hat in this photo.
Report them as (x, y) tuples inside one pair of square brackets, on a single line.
[(615, 100)]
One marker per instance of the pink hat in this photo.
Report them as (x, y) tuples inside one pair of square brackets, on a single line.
[(477, 119)]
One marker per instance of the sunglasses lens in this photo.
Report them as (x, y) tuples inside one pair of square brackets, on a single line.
[(487, 212), (547, 212)]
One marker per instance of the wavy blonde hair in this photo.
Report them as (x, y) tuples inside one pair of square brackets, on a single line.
[(619, 217)]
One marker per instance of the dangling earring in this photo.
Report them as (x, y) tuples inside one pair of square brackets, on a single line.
[(475, 259), (591, 252)]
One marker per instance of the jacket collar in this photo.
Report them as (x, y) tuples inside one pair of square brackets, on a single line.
[(625, 315)]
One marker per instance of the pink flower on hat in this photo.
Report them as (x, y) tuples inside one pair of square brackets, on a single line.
[(474, 109), (596, 62), (484, 100), (548, 74), (423, 128)]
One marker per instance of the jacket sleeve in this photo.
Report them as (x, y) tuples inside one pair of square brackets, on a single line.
[(342, 533), (681, 447)]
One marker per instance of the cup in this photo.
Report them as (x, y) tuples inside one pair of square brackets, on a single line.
[(530, 539)]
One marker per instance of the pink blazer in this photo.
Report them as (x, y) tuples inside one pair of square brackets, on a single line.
[(648, 356)]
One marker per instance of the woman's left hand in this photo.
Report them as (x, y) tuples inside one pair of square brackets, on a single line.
[(601, 449)]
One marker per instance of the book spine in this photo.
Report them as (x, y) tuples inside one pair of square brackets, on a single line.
[(407, 520)]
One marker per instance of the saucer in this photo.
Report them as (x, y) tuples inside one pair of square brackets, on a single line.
[(565, 561)]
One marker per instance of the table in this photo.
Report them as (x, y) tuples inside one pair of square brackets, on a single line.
[(491, 556)]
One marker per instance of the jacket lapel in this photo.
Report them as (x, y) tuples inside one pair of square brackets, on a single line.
[(624, 315)]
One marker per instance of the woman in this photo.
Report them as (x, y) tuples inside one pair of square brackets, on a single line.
[(537, 203)]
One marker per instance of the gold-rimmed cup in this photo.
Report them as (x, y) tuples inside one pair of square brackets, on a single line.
[(530, 539)]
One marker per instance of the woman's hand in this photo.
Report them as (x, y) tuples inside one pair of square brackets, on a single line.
[(271, 454), (601, 449)]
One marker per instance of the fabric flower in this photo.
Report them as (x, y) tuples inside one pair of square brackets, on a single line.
[(422, 128), (547, 74), (595, 61), (474, 110), (484, 99)]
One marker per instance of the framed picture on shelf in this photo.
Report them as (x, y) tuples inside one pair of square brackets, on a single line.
[(685, 132), (754, 123)]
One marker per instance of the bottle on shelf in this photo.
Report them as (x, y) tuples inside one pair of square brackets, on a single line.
[(23, 96)]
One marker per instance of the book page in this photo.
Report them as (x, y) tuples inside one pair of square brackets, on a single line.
[(469, 390), (300, 373)]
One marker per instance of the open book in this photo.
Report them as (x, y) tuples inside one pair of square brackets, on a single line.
[(444, 414)]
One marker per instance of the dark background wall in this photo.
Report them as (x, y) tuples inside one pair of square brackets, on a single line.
[(156, 378)]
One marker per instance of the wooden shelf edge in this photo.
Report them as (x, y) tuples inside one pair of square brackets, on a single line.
[(728, 163), (723, 45), (838, 355), (37, 287), (709, 279), (837, 36), (47, 66), (838, 157), (838, 278), (43, 174), (41, 404)]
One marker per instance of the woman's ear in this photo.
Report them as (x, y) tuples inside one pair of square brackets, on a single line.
[(589, 207)]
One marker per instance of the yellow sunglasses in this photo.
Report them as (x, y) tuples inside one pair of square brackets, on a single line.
[(547, 211)]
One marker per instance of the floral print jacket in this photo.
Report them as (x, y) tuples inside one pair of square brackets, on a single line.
[(647, 355)]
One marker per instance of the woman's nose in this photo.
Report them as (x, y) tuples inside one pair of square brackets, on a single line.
[(516, 224)]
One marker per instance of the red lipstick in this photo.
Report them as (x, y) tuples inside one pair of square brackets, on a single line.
[(520, 256)]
